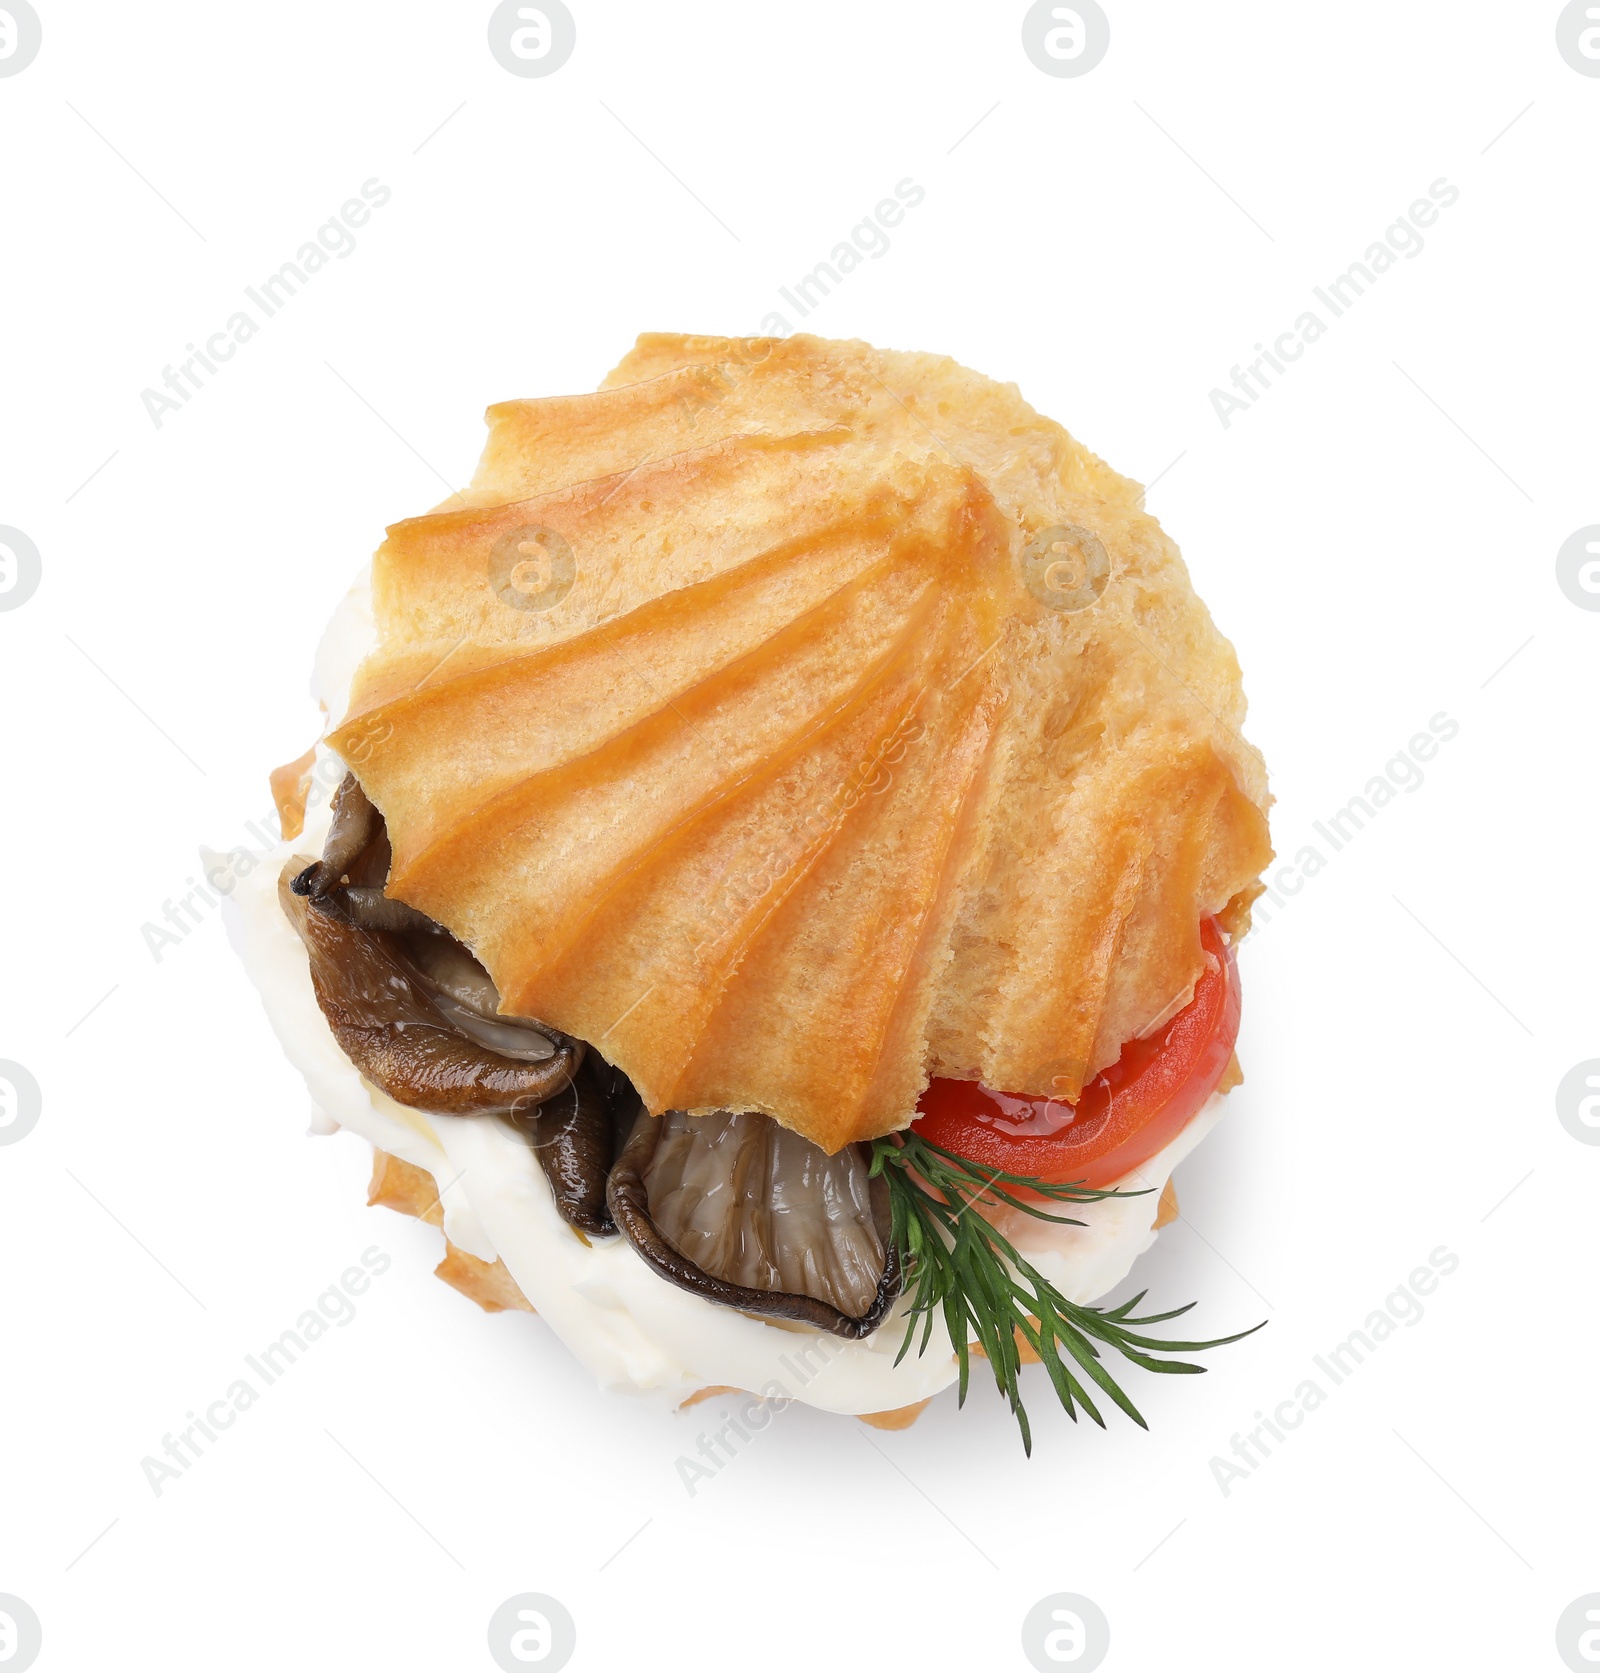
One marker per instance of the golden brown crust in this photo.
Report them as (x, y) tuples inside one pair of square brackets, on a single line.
[(405, 1188), (291, 785), (488, 1283), (1027, 1354), (1232, 1076), (707, 1394), (902, 1417), (408, 1189), (792, 789)]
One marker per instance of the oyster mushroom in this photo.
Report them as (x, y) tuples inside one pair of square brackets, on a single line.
[(572, 1138), (465, 994), (449, 970), (744, 1212), (351, 831), (401, 1037), (370, 908)]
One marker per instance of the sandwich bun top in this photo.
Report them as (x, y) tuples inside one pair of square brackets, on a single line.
[(793, 721)]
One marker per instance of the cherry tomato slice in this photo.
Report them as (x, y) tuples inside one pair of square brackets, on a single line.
[(1125, 1115)]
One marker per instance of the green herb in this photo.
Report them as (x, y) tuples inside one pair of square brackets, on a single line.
[(958, 1264)]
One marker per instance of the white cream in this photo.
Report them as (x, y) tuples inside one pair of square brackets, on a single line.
[(350, 634), (633, 1330)]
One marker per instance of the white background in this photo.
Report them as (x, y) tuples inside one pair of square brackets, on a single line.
[(1115, 243)]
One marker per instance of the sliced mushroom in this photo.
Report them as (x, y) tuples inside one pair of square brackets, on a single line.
[(572, 1139), (370, 908), (354, 824), (347, 884), (449, 970), (398, 1035), (527, 1042), (739, 1210), (465, 992)]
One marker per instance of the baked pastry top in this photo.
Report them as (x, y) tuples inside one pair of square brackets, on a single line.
[(793, 721)]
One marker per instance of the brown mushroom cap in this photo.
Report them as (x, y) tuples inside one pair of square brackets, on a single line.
[(629, 1198), (354, 824), (397, 1035), (572, 1137)]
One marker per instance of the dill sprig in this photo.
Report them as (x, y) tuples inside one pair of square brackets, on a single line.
[(958, 1264)]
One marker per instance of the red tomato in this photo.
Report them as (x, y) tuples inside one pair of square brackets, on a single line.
[(1126, 1113)]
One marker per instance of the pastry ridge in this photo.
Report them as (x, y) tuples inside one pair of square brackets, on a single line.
[(785, 779)]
